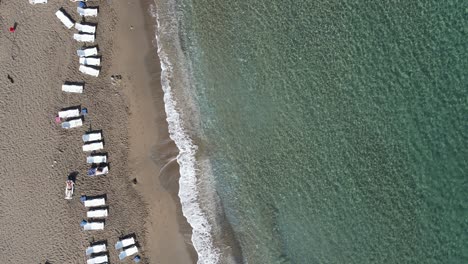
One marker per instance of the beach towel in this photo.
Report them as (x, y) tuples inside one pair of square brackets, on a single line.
[(86, 52), (98, 171), (38, 2), (65, 18), (69, 113), (98, 260), (94, 202), (96, 159), (92, 136), (85, 28), (91, 61), (98, 248), (100, 213), (72, 88), (72, 123), (89, 70), (87, 11), (128, 252), (93, 146), (84, 37), (125, 243)]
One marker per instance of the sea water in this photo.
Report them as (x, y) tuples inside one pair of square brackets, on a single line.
[(320, 131)]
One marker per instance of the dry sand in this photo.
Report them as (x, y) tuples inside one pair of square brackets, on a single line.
[(36, 155)]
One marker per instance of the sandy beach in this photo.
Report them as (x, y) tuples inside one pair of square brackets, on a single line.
[(37, 155)]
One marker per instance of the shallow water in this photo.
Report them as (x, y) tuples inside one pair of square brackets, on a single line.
[(332, 131)]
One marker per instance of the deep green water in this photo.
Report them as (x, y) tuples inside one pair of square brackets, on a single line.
[(337, 130)]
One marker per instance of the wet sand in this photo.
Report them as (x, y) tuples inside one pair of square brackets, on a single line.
[(38, 225)]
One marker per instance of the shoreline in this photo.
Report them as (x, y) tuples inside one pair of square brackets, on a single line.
[(152, 153)]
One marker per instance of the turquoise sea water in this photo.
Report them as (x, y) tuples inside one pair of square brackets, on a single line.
[(335, 131)]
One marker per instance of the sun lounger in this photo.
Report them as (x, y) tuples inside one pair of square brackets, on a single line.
[(84, 37), (86, 52), (94, 202), (38, 2), (72, 123), (93, 146), (64, 18), (90, 61), (98, 171), (98, 248), (92, 225), (96, 159), (125, 243), (72, 88), (98, 260), (85, 28), (92, 136), (100, 213), (69, 113), (128, 252), (89, 70), (87, 11)]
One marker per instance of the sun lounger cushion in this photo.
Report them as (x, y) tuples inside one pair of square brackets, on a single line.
[(85, 28), (125, 243), (86, 52), (93, 146), (87, 11), (128, 252), (93, 226), (69, 113), (90, 61), (72, 123), (84, 37), (65, 19), (97, 213), (98, 260), (96, 159), (95, 202), (98, 171), (72, 88), (96, 249), (89, 70), (92, 136)]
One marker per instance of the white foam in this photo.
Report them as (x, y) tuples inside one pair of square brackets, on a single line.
[(188, 191)]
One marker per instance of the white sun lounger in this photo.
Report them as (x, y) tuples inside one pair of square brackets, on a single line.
[(93, 226), (85, 28), (90, 61), (95, 202), (72, 88), (125, 243), (84, 37), (92, 136), (86, 52), (100, 213), (98, 260), (93, 146), (72, 123), (128, 252), (89, 70), (98, 248), (87, 11), (69, 113), (65, 19), (38, 2), (96, 159)]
